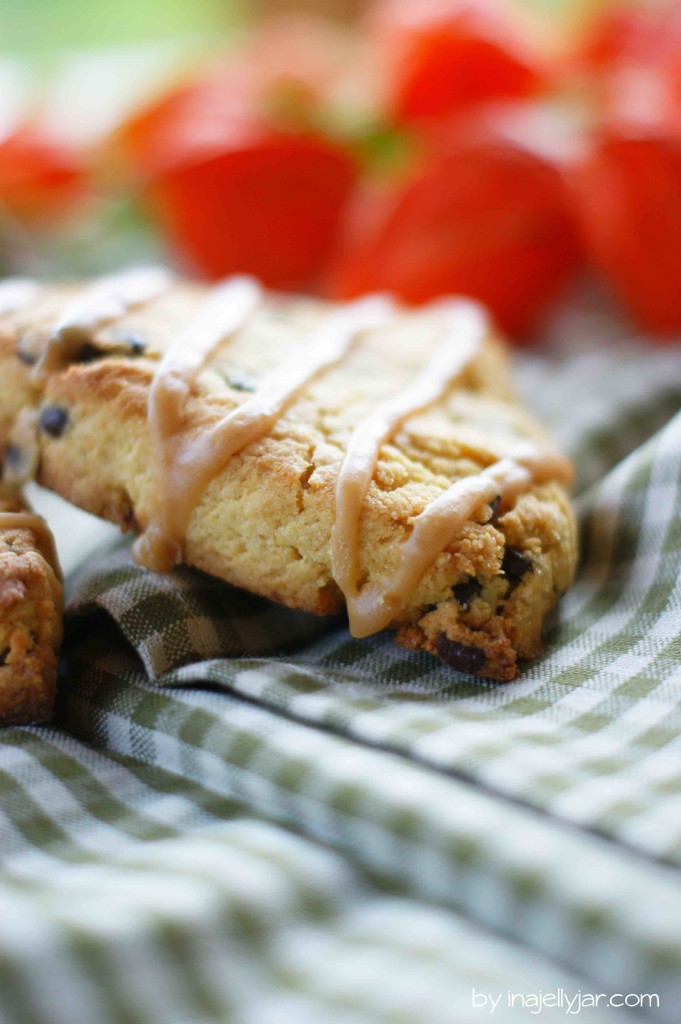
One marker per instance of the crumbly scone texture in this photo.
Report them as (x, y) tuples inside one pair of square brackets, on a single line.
[(30, 625), (265, 521)]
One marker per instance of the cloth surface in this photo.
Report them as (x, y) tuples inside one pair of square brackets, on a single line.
[(242, 814)]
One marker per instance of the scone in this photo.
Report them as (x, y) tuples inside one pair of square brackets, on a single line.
[(30, 615), (363, 455)]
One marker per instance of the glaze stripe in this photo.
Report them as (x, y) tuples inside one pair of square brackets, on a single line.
[(226, 310), (465, 327)]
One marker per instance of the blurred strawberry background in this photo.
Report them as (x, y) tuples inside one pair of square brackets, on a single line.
[(504, 149)]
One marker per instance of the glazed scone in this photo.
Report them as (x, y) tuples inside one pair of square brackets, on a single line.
[(137, 423), (30, 615)]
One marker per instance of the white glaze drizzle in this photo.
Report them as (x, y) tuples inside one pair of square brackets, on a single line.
[(465, 325), (107, 299), (374, 607), (16, 293), (225, 311), (186, 465)]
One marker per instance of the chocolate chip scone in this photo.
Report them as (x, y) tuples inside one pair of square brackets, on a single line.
[(366, 456), (30, 615)]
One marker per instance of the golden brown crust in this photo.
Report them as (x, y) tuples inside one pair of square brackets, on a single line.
[(265, 521), (30, 624)]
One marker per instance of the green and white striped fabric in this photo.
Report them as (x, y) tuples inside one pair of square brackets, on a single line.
[(242, 814)]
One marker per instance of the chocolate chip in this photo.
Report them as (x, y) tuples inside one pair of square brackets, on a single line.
[(463, 657), (467, 591), (137, 346), (132, 340), (26, 357), (515, 564), (54, 420), (241, 380), (125, 342), (494, 507), (88, 353), (13, 456)]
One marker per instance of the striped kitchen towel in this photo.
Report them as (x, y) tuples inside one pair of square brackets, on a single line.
[(242, 814)]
